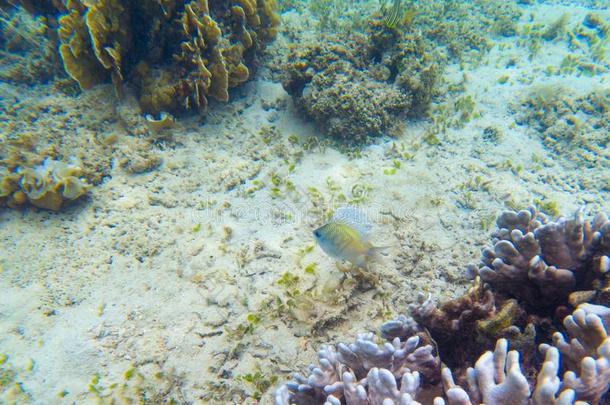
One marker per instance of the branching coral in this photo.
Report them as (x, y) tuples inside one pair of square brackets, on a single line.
[(345, 372), (495, 379), (463, 328), (542, 262)]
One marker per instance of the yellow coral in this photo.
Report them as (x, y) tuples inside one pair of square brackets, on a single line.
[(75, 50), (108, 22), (205, 60), (220, 76), (252, 16)]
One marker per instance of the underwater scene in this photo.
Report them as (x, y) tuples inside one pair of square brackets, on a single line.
[(305, 202)]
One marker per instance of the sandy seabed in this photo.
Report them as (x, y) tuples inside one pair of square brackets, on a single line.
[(173, 273)]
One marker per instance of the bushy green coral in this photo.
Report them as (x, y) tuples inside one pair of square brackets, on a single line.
[(365, 81), (350, 91)]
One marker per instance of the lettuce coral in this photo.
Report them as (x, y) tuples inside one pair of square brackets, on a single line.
[(36, 177), (45, 186), (177, 53)]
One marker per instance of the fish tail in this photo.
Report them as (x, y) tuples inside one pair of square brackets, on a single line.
[(374, 254)]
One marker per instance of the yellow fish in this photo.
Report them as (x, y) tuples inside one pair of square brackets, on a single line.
[(345, 237)]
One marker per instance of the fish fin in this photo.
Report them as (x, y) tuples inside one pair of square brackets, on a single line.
[(354, 218), (380, 248), (374, 255)]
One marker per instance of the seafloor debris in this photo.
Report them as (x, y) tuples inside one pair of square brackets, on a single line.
[(177, 53), (407, 368)]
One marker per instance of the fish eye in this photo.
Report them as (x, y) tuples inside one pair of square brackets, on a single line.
[(316, 233)]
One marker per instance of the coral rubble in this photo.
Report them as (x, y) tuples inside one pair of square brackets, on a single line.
[(536, 271), (575, 127)]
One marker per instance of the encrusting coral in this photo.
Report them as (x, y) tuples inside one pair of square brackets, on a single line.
[(406, 369), (177, 53)]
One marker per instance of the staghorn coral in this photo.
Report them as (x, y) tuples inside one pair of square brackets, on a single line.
[(177, 53), (463, 328)]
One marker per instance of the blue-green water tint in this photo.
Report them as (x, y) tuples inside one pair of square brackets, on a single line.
[(186, 268)]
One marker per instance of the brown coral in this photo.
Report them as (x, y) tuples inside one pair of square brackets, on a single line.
[(354, 89), (177, 53)]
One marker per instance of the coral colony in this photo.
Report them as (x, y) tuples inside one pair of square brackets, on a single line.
[(175, 54), (529, 277)]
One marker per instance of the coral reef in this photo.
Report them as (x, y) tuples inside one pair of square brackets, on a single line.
[(364, 373), (360, 81), (539, 269), (27, 48), (176, 53)]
